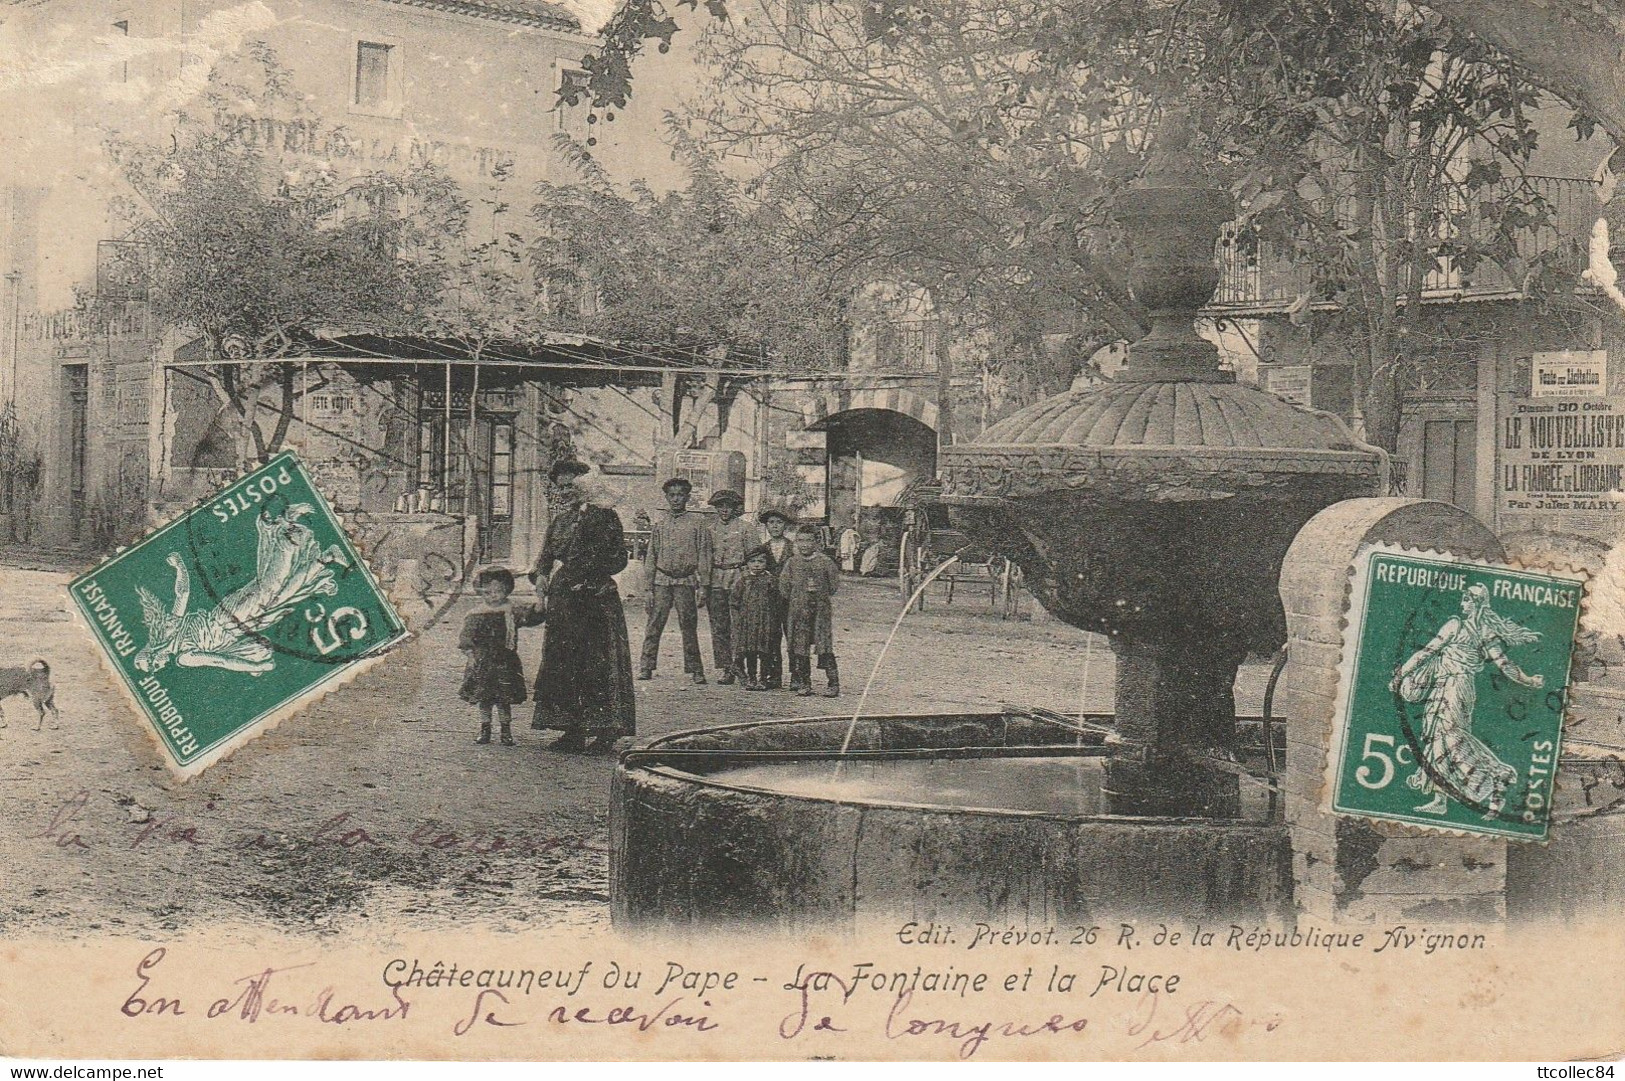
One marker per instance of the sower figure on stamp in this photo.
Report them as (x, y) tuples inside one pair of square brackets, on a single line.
[(1442, 675), (290, 568), (807, 582), (494, 678), (584, 685), (679, 575), (731, 538), (779, 549), (754, 599)]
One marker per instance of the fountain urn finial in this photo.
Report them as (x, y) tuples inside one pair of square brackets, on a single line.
[(1171, 217)]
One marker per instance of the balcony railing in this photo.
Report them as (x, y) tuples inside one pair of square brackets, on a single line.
[(1265, 278), (906, 345)]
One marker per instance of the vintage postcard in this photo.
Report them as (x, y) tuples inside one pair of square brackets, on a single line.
[(811, 530)]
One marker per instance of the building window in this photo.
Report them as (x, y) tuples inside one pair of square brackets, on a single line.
[(122, 29), (501, 470), (377, 78)]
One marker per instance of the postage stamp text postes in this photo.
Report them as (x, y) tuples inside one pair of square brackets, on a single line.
[(230, 616)]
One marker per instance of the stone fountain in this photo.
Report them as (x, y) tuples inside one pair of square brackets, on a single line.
[(1155, 509)]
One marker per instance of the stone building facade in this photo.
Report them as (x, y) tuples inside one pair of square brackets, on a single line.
[(117, 425)]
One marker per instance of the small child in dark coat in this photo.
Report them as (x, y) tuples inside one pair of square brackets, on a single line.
[(807, 582), (754, 603), (494, 678)]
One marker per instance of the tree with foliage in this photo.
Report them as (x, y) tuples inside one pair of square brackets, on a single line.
[(703, 270), (1386, 153), (979, 146), (260, 252), (918, 138), (1573, 50), (487, 292), (488, 301)]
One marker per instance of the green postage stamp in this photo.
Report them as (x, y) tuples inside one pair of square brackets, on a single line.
[(231, 616), (1450, 706)]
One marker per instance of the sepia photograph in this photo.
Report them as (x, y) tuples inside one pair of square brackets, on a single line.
[(729, 530)]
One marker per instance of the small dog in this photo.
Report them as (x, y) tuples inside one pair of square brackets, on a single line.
[(35, 682)]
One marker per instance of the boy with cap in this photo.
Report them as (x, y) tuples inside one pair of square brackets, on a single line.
[(779, 547), (679, 575), (731, 538), (754, 599)]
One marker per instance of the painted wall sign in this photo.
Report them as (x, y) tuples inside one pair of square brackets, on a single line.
[(1289, 381), (1562, 455)]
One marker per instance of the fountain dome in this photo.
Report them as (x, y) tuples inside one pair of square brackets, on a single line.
[(1168, 413)]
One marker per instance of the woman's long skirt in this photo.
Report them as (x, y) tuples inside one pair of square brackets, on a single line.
[(585, 681)]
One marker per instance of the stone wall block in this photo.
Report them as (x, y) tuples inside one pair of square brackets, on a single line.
[(1344, 869)]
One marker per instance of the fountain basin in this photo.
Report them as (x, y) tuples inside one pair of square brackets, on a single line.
[(712, 826)]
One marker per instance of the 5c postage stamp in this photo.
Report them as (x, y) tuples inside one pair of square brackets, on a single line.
[(1450, 702), (232, 615)]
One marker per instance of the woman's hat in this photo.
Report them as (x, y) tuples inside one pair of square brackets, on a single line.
[(772, 512), (568, 469)]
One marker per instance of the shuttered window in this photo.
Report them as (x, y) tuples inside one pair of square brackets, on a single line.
[(372, 74)]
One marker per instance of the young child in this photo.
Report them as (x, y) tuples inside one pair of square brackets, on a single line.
[(494, 679), (754, 602), (807, 581)]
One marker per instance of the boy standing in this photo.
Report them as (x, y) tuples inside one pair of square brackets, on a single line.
[(731, 538), (807, 583), (679, 574), (779, 549), (754, 599)]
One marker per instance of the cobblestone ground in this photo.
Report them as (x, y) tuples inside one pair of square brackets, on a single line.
[(374, 808)]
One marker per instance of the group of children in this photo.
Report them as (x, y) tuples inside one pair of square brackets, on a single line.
[(790, 600)]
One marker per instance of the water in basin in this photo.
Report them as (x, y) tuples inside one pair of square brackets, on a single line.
[(1069, 786)]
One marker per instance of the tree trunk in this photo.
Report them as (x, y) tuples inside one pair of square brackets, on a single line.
[(284, 414), (1381, 404), (945, 386)]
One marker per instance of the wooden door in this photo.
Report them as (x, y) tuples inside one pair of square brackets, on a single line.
[(1439, 434)]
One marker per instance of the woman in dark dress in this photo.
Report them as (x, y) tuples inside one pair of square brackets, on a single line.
[(584, 686)]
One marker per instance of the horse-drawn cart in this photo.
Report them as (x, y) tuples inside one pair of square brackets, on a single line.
[(932, 550)]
